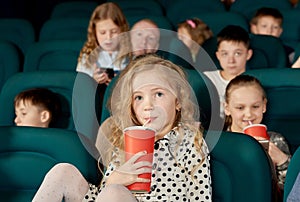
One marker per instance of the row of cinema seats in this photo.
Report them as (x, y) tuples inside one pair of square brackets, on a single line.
[(26, 154)]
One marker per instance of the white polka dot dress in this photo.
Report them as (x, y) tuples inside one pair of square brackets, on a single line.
[(174, 177)]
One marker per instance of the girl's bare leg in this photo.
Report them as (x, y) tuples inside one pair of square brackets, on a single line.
[(63, 181)]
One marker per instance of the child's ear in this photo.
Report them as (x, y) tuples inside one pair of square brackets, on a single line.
[(226, 109), (45, 116), (249, 54), (265, 105)]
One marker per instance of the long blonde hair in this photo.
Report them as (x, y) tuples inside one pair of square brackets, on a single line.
[(106, 11)]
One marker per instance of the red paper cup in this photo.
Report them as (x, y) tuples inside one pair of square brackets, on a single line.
[(257, 130), (136, 139)]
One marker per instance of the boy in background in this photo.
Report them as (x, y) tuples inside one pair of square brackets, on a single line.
[(38, 107), (268, 21), (233, 52)]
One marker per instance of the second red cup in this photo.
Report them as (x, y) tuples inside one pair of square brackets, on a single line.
[(257, 130), (136, 139)]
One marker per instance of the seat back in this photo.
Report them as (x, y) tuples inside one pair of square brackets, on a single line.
[(28, 153), (64, 29), (10, 61), (53, 55), (291, 27), (18, 31), (297, 52), (272, 47), (248, 8), (76, 92), (72, 9), (240, 168), (178, 10), (140, 8), (292, 173), (218, 20), (282, 86)]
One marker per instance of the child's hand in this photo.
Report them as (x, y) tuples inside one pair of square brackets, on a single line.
[(277, 156), (101, 77), (128, 173)]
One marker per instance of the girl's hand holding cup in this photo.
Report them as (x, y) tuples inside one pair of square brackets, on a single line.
[(127, 173)]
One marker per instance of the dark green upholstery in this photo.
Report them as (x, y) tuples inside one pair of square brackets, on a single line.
[(10, 61), (73, 9), (179, 10), (76, 90), (139, 8), (292, 173), (297, 52), (18, 31), (240, 168), (283, 109), (291, 27), (248, 8), (53, 55), (27, 154), (217, 21), (272, 47), (64, 28)]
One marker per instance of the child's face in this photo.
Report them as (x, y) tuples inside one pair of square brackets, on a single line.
[(233, 57), (267, 25), (185, 37), (106, 33), (245, 104), (153, 102), (30, 115)]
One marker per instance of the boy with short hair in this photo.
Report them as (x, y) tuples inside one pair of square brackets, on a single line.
[(233, 52), (268, 21), (38, 107)]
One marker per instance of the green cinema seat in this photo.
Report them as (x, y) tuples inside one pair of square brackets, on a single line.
[(53, 55), (292, 173), (70, 9), (28, 153), (240, 168), (10, 61), (77, 92), (19, 31)]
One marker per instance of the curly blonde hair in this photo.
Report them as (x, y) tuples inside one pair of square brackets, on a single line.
[(106, 11)]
